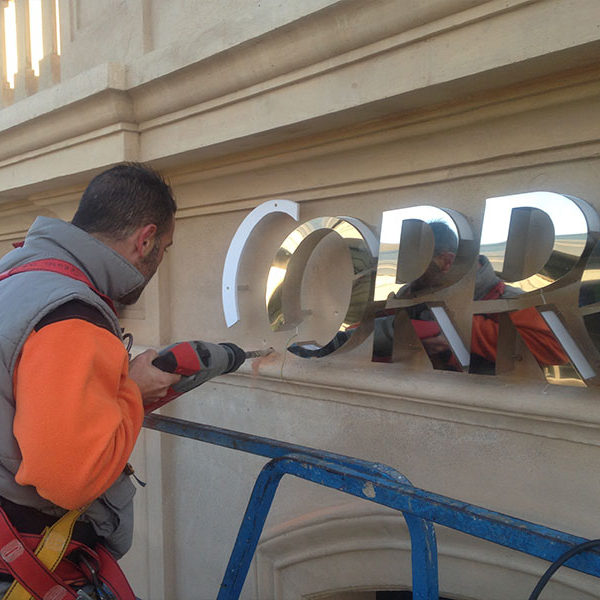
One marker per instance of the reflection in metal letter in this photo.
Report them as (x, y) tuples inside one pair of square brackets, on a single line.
[(232, 260), (535, 239), (454, 341), (589, 296), (530, 242), (589, 293), (576, 356), (494, 344), (285, 280), (409, 245), (422, 249), (430, 323)]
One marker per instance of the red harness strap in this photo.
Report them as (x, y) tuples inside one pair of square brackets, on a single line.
[(17, 558), (62, 267), (66, 570), (26, 568), (110, 573)]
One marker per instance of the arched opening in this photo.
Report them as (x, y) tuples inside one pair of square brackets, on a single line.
[(398, 595), (373, 595)]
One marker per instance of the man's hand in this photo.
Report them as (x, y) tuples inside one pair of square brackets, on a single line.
[(435, 344), (153, 382)]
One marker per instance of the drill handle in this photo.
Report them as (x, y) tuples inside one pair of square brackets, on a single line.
[(183, 358), (197, 362), (165, 362)]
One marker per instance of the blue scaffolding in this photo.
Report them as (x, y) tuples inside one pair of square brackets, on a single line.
[(383, 485)]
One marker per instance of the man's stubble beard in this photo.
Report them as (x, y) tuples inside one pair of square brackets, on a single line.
[(147, 266), (431, 279)]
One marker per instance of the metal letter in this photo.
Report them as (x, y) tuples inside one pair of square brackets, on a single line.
[(532, 244), (534, 240), (236, 248), (285, 279), (408, 246), (422, 250)]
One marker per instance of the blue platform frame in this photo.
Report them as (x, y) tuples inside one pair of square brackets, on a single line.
[(377, 483)]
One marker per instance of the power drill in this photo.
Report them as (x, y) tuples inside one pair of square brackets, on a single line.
[(198, 362)]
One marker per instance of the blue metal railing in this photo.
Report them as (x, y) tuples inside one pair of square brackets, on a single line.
[(376, 483)]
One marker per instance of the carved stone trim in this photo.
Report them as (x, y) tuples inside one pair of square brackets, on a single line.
[(361, 547)]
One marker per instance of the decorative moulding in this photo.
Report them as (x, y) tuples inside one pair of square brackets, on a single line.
[(353, 80), (535, 410), (360, 547)]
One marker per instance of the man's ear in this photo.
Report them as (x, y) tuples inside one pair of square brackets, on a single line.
[(145, 238)]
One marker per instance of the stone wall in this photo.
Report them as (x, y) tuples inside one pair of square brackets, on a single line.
[(347, 108)]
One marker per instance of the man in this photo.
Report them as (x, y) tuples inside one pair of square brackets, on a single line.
[(422, 320), (529, 323), (485, 327), (71, 403)]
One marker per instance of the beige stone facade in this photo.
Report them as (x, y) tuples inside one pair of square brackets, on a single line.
[(348, 108)]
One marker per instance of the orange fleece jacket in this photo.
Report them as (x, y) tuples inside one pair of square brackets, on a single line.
[(78, 414), (533, 329)]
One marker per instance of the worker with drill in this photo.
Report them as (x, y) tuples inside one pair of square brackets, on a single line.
[(71, 402)]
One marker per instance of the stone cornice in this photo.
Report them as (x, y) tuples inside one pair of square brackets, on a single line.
[(501, 403), (247, 96)]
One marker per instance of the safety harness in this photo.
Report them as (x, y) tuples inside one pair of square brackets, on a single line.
[(62, 267), (49, 565)]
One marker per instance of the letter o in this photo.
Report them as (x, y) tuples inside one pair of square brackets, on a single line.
[(285, 279)]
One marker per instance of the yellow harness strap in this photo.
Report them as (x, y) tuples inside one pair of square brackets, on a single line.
[(50, 550)]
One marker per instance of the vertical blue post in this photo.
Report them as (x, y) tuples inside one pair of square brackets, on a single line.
[(424, 558), (249, 532)]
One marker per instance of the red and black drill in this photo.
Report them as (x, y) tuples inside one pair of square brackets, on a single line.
[(198, 362)]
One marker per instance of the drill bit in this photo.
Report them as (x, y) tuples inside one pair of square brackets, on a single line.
[(258, 353)]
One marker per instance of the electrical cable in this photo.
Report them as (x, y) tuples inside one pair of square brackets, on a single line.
[(563, 558)]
